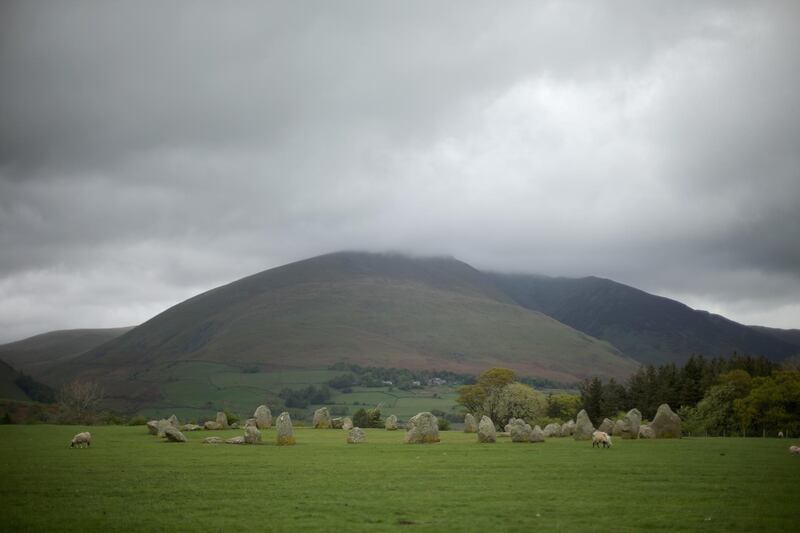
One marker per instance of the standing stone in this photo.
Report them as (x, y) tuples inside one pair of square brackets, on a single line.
[(263, 417), (322, 418), (619, 428), (646, 432), (347, 423), (173, 421), (252, 435), (336, 423), (607, 426), (537, 435), (285, 432), (486, 431), (152, 427), (161, 426), (423, 428), (356, 436), (470, 426), (222, 420), (391, 423), (630, 424), (666, 424), (519, 430), (583, 426), (552, 430), (568, 429), (250, 422), (173, 435)]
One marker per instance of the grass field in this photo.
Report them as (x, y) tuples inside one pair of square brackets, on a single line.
[(197, 389), (131, 481)]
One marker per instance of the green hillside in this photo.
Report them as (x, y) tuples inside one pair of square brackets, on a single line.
[(648, 328), (36, 354), (366, 309), (9, 390)]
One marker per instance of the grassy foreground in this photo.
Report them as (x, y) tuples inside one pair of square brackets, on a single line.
[(129, 480)]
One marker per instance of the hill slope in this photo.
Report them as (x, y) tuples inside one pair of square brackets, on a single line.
[(648, 328), (368, 309), (9, 390), (37, 354)]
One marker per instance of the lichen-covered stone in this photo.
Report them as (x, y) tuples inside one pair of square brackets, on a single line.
[(666, 424), (161, 426), (284, 430), (322, 418), (470, 425), (173, 435), (537, 434), (630, 424), (486, 431), (263, 417), (152, 427), (552, 430), (619, 428), (191, 427), (212, 425), (607, 426), (423, 428), (252, 435), (213, 440), (222, 420), (356, 436), (568, 428), (236, 440), (583, 426), (174, 422), (391, 423), (347, 423), (519, 430), (250, 422), (646, 432)]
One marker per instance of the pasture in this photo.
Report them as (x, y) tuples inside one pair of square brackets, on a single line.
[(131, 481), (195, 389)]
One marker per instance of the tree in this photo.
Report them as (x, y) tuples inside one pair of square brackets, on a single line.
[(563, 406), (484, 395), (517, 400), (773, 404), (79, 399), (592, 397)]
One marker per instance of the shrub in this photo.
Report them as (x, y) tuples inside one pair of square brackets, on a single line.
[(232, 417), (137, 420), (444, 424)]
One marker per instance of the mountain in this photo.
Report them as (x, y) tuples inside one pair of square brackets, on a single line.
[(791, 336), (648, 328), (36, 354), (9, 390), (367, 309)]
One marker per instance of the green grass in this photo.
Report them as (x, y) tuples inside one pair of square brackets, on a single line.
[(131, 481)]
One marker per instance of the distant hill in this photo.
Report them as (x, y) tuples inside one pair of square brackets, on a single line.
[(648, 328), (790, 336), (36, 354), (367, 309), (9, 390)]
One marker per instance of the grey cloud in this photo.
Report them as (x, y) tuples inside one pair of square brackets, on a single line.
[(176, 146)]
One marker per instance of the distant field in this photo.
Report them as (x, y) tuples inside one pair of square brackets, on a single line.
[(197, 389), (131, 481)]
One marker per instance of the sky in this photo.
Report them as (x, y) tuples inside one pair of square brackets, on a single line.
[(153, 150)]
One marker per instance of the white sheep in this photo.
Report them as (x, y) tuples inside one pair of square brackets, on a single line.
[(794, 450), (601, 438), (81, 439), (780, 434)]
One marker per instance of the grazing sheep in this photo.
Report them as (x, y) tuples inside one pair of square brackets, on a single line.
[(81, 439), (794, 450), (601, 438)]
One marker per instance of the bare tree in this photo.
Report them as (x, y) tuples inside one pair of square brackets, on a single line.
[(79, 399)]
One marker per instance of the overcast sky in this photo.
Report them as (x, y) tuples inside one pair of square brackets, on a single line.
[(150, 151)]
